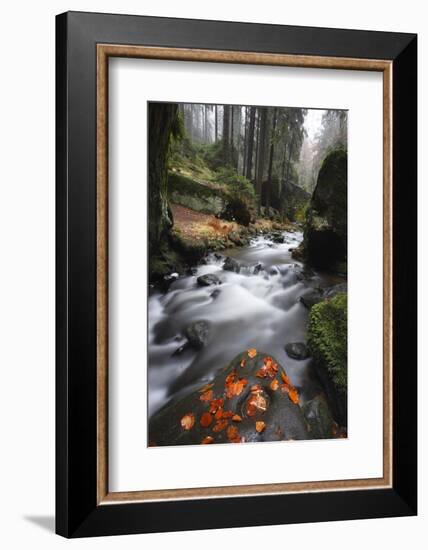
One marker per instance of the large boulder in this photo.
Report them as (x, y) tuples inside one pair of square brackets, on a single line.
[(195, 195), (236, 210), (286, 199), (295, 201), (327, 341), (250, 400), (325, 235)]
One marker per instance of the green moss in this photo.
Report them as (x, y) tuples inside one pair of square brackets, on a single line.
[(187, 186), (327, 338), (300, 212)]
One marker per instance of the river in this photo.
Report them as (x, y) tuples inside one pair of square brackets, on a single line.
[(259, 307)]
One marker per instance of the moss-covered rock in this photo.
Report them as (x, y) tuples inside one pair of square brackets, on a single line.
[(189, 249), (192, 194), (325, 235), (327, 341), (296, 201), (165, 261), (328, 337)]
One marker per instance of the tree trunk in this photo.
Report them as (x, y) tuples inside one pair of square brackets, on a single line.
[(231, 131), (244, 158), (226, 128), (216, 124), (206, 124), (283, 192), (256, 164), (250, 145), (238, 138), (162, 117), (261, 155), (272, 146)]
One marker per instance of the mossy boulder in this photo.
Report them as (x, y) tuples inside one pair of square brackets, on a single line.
[(165, 261), (325, 234), (195, 195), (327, 341), (295, 200), (191, 250)]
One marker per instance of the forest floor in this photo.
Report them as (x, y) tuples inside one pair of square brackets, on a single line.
[(196, 225), (191, 225)]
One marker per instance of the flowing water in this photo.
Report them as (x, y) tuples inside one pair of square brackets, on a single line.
[(258, 308)]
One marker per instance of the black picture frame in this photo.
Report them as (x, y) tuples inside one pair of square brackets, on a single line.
[(77, 511)]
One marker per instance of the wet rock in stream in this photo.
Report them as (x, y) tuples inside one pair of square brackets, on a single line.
[(251, 400), (257, 268), (208, 280), (297, 350), (231, 265), (319, 418), (311, 298), (197, 334)]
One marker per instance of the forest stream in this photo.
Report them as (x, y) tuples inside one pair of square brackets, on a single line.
[(258, 307)]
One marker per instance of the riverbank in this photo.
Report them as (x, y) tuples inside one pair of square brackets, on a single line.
[(195, 234)]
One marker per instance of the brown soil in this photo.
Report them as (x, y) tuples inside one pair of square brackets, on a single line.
[(197, 225)]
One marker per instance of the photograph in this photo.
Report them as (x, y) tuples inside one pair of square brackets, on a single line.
[(247, 273)]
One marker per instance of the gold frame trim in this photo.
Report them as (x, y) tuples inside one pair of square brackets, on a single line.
[(104, 51)]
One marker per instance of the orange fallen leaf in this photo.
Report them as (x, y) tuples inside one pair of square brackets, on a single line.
[(207, 440), (216, 404), (252, 352), (260, 426), (205, 388), (236, 418), (269, 369), (256, 388), (207, 396), (220, 425), (274, 385), (206, 420), (230, 378), (270, 364), (285, 378), (251, 409), (256, 403), (219, 414), (260, 402), (233, 434), (235, 388), (293, 395), (188, 421), (227, 414)]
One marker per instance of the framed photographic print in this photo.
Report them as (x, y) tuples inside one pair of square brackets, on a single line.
[(236, 274)]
